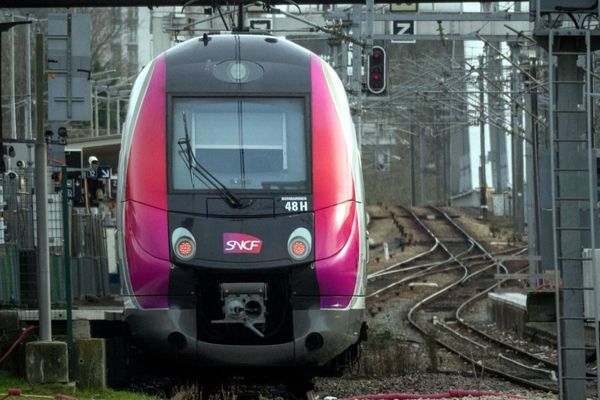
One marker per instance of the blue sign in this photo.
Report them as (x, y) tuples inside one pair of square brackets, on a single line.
[(104, 172)]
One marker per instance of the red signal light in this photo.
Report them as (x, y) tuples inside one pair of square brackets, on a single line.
[(376, 79)]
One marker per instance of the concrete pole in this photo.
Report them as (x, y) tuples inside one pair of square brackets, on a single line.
[(41, 192), (482, 177)]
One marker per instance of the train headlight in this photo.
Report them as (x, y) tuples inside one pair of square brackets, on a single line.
[(184, 244), (238, 72), (299, 244)]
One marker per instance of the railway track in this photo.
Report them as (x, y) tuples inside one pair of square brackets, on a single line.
[(426, 263), (484, 353), (469, 270)]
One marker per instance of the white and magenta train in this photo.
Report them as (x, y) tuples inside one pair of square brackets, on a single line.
[(241, 207)]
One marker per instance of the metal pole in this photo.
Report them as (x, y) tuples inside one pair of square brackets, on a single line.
[(92, 121), (482, 177), (370, 5), (423, 198), (41, 193), (517, 153), (439, 161), (67, 264), (107, 113), (413, 184), (533, 182), (96, 117), (2, 166), (4, 27), (357, 71), (28, 115), (118, 115), (13, 106), (240, 23)]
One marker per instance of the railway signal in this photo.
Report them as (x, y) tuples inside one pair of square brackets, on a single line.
[(376, 68)]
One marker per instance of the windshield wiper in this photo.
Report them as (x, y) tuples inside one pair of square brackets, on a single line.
[(202, 173)]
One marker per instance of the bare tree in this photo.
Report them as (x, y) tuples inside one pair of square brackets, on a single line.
[(106, 34)]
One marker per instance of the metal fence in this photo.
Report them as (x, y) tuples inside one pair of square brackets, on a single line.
[(90, 275)]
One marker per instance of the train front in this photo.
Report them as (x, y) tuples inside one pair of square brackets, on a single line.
[(241, 206)]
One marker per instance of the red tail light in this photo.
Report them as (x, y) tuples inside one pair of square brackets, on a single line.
[(184, 244), (299, 244)]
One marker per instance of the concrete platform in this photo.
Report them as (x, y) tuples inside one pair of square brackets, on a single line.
[(90, 314), (509, 311), (515, 312)]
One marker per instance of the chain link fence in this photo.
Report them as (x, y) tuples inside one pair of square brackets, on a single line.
[(92, 281)]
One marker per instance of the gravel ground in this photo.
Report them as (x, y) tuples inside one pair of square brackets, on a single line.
[(422, 383)]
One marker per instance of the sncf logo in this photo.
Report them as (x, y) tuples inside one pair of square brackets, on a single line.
[(241, 243)]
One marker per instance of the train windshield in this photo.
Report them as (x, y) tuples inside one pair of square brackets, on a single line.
[(253, 143)]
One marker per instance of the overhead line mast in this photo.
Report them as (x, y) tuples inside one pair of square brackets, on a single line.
[(157, 3)]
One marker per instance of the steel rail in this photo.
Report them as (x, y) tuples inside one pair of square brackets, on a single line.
[(463, 322), (420, 255), (452, 258), (428, 271), (514, 378), (487, 336), (491, 338), (483, 249), (412, 320)]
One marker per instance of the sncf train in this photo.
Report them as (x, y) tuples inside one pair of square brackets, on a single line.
[(242, 228)]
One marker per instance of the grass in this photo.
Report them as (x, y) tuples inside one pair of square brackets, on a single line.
[(7, 381)]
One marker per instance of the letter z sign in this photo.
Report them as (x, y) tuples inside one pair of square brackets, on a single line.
[(236, 243), (404, 30)]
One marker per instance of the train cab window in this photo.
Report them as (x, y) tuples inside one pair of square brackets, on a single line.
[(254, 143)]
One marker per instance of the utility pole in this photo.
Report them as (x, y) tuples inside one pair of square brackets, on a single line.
[(41, 193), (498, 158), (517, 150), (13, 105), (357, 72), (482, 178), (28, 124), (422, 144), (439, 161), (534, 236), (4, 27), (413, 183)]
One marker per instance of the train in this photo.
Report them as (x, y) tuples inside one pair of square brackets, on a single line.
[(241, 222)]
